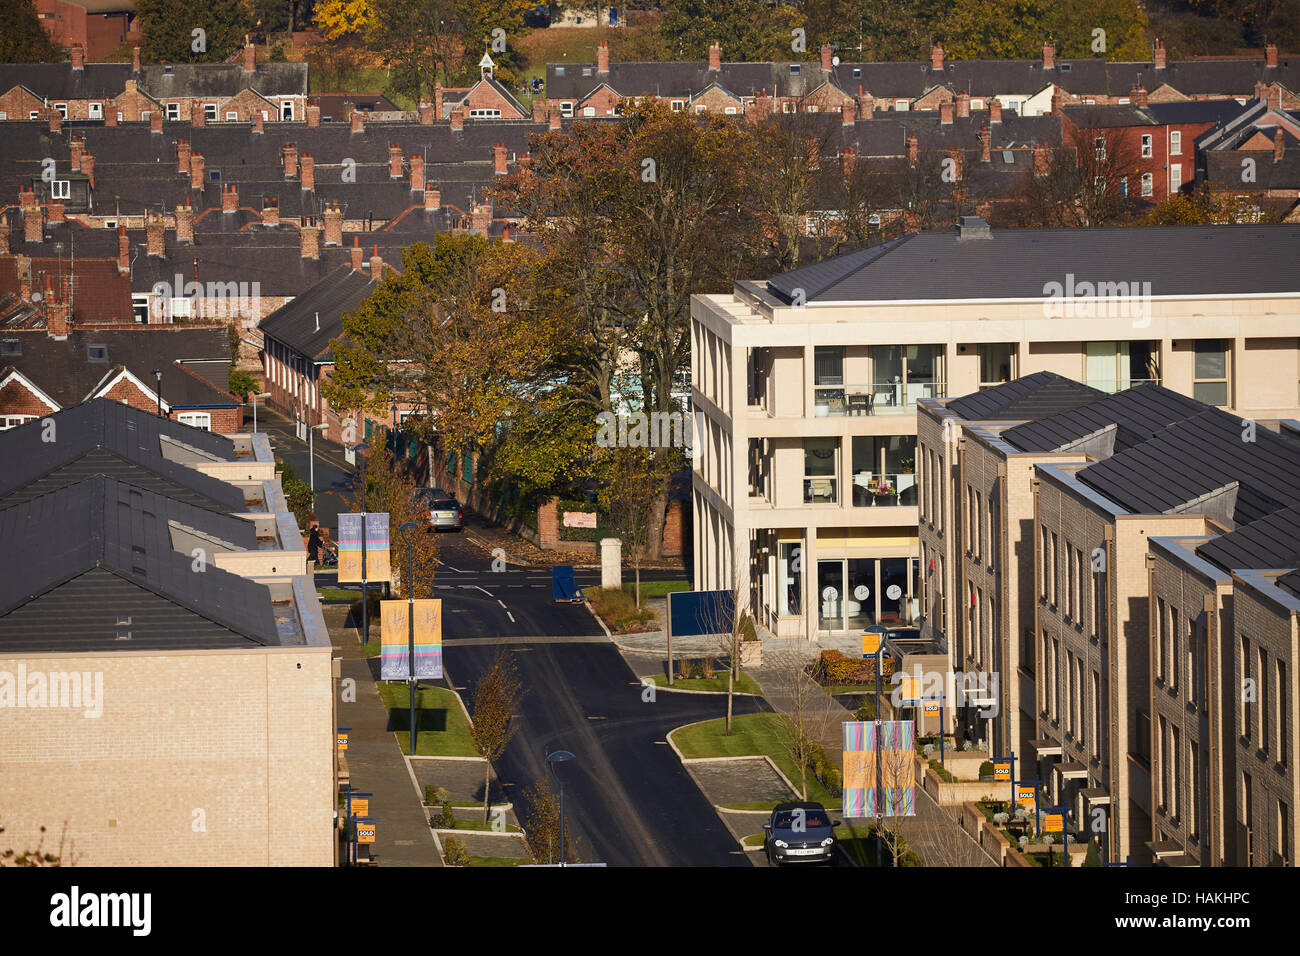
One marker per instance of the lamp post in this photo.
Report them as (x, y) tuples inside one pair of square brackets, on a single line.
[(409, 584), (551, 760), (361, 448), (311, 458), (256, 396), (157, 375)]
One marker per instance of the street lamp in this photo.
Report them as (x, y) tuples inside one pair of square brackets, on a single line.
[(157, 374), (551, 760), (409, 584), (311, 458), (365, 608), (256, 396)]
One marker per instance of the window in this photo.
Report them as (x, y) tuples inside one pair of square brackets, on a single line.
[(1282, 721), (1162, 629), (34, 114), (60, 189), (210, 111), (883, 470), (485, 114), (97, 353), (1146, 145), (566, 109), (1114, 366), (1244, 711), (559, 71), (173, 111), (1175, 176), (1148, 184), (730, 111), (1045, 557), (1193, 787), (62, 108), (1096, 714), (1123, 187), (821, 466), (1246, 841), (1099, 145), (1210, 380), (1056, 565), (286, 111), (700, 108), (95, 111), (11, 347), (1262, 692), (902, 374), (901, 106), (232, 116), (794, 69), (997, 364), (1283, 834), (197, 420), (677, 105), (1171, 650), (1175, 142)]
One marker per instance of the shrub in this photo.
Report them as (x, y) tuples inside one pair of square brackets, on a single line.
[(697, 669), (372, 600), (707, 665), (832, 667), (239, 383), (430, 794), (986, 768), (618, 610), (944, 773), (454, 852), (866, 710), (748, 631), (448, 818)]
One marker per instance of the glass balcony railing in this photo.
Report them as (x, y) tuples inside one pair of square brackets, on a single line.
[(882, 398), (872, 490), (1112, 385)]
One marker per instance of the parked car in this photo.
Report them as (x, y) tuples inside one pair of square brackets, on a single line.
[(432, 494), (800, 833), (446, 513)]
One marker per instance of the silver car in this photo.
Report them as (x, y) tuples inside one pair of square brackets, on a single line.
[(446, 513)]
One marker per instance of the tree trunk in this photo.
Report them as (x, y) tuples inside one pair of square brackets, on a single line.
[(658, 518), (487, 790), (638, 581), (731, 683)]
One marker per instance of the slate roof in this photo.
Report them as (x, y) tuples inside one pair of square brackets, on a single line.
[(99, 292), (1196, 456), (1271, 542), (1032, 397), (1019, 263), (59, 81), (181, 80), (89, 563), (65, 370), (1291, 582), (103, 428), (295, 324), (1138, 413), (336, 107)]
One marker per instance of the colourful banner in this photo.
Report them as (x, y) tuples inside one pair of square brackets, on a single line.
[(394, 659), (909, 691), (376, 550), (897, 771)]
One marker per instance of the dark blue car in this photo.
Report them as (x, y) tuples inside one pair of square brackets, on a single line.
[(800, 833)]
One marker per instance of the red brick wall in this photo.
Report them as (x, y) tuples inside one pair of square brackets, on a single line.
[(16, 399), (602, 101), (672, 541), (548, 525), (17, 104), (484, 97)]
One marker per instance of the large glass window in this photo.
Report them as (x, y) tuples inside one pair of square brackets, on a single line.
[(828, 379), (997, 363), (1210, 382), (820, 468), (853, 593), (830, 595), (861, 594), (902, 374), (1115, 366), (884, 470), (790, 579)]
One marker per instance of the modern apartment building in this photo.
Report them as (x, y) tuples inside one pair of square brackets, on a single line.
[(806, 388)]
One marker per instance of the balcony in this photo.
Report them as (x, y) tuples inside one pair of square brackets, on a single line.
[(881, 398)]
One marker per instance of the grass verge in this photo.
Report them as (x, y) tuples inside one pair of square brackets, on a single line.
[(443, 728), (745, 685)]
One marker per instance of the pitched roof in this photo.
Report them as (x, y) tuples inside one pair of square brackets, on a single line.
[(1025, 263), (1138, 413), (89, 563), (1271, 542), (313, 319), (1032, 397), (98, 291)]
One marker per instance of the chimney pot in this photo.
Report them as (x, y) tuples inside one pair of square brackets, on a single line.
[(828, 54), (196, 170), (1158, 55), (499, 159), (376, 265), (184, 222), (394, 161), (963, 104), (355, 254), (290, 154), (270, 211), (1049, 56), (715, 56), (417, 172), (602, 57), (426, 114), (78, 56), (358, 121), (995, 110), (250, 57), (1138, 96), (313, 115), (182, 156), (229, 198), (333, 225), (154, 237), (936, 57), (308, 172), (310, 242), (457, 119), (432, 197), (1270, 55)]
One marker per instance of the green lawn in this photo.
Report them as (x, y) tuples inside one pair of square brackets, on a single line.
[(656, 588), (463, 824), (745, 685), (337, 594), (444, 731), (751, 805), (752, 735), (498, 861), (755, 839)]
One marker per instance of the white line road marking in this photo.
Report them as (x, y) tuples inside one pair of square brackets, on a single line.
[(481, 588), (511, 616), (502, 603)]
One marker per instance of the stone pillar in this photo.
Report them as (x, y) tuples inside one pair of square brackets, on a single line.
[(611, 563)]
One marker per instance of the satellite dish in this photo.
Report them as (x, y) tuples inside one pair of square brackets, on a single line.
[(835, 61)]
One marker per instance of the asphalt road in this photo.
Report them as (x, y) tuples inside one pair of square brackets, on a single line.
[(334, 478), (628, 801)]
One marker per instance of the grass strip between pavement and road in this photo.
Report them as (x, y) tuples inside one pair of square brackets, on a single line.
[(716, 684), (443, 729)]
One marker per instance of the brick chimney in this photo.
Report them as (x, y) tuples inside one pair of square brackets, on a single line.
[(1158, 54), (480, 218), (310, 236), (912, 149), (155, 239), (155, 121), (123, 250), (1275, 96), (1270, 55), (945, 114), (553, 120), (417, 172), (355, 254), (958, 161), (259, 123), (4, 236), (358, 121), (78, 56), (250, 57), (995, 110), (457, 119), (75, 145), (1137, 96), (289, 154), (1279, 146), (182, 156), (56, 121), (602, 57), (848, 114), (270, 211), (308, 172), (986, 144), (1058, 101), (135, 58), (1049, 55), (376, 265), (56, 312), (56, 211), (432, 197), (936, 57), (426, 114), (539, 109), (848, 161), (333, 216), (1261, 90), (1042, 160), (110, 116), (24, 267), (88, 167), (198, 115), (505, 233), (229, 198), (963, 104), (715, 56), (185, 222), (313, 115), (866, 104), (196, 170), (394, 161), (437, 101), (499, 159), (827, 55), (33, 219)]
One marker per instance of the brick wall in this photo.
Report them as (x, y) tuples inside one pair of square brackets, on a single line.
[(16, 399)]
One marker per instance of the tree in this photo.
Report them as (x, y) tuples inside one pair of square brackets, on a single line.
[(785, 163), (168, 28), (344, 19), (22, 38), (806, 711), (634, 479), (1093, 179), (495, 698), (731, 623), (542, 825), (414, 37), (748, 30), (239, 383)]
